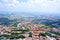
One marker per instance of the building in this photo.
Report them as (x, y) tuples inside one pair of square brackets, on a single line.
[(50, 38), (1, 29), (7, 29)]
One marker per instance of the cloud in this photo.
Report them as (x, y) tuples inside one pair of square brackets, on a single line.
[(52, 6)]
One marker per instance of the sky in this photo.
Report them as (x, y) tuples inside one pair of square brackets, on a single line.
[(42, 6)]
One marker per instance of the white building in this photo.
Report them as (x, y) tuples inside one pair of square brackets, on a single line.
[(1, 29), (20, 25), (51, 38)]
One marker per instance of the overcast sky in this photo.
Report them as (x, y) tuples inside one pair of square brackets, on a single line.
[(46, 6)]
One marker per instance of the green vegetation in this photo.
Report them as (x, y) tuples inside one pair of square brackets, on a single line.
[(16, 33), (14, 25), (21, 36), (13, 36), (57, 33), (44, 26), (19, 31), (46, 34), (6, 35), (42, 34), (30, 34), (25, 30)]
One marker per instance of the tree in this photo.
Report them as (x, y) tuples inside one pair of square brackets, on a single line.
[(30, 34), (21, 36)]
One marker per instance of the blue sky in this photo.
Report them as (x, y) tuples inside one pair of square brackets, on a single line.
[(45, 6)]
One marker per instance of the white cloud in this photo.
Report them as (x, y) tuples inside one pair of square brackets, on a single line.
[(33, 5)]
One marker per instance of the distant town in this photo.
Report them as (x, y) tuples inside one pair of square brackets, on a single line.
[(30, 28)]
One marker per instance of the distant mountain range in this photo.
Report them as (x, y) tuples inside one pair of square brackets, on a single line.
[(28, 14)]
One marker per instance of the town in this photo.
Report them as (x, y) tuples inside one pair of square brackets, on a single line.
[(26, 31), (29, 19)]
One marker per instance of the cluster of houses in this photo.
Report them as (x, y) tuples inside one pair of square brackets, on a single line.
[(33, 29)]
